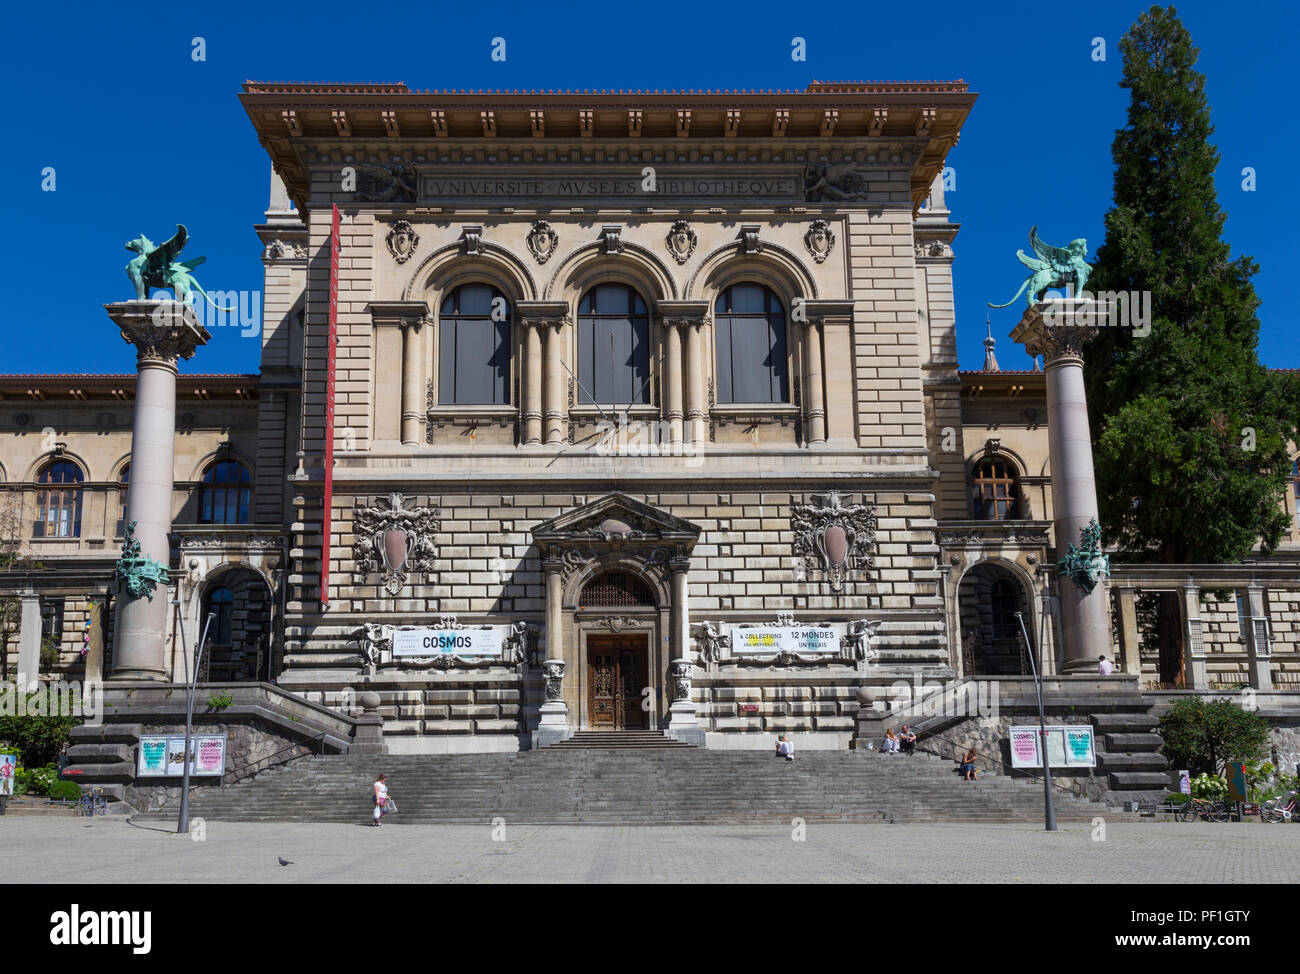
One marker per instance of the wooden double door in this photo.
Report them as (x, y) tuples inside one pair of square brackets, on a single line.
[(617, 677)]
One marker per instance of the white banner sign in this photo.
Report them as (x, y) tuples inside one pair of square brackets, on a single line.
[(447, 642), (1068, 746), (770, 640)]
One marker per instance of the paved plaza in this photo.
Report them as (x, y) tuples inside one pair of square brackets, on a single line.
[(68, 850)]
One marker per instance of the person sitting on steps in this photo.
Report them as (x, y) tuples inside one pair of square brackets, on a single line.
[(907, 740), (785, 747), (967, 768), (890, 744)]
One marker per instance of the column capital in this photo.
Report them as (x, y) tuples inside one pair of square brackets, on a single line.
[(162, 331), (682, 314), (1059, 329), (540, 314), (402, 314), (826, 311)]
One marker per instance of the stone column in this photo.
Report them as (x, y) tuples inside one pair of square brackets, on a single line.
[(545, 397), (1195, 676), (412, 387), (95, 645), (29, 640), (1259, 648), (553, 721), (672, 378), (163, 332), (814, 403), (1129, 637), (696, 410), (409, 316), (532, 381), (682, 722), (555, 412), (1058, 330)]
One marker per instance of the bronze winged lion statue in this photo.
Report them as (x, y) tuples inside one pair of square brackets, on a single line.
[(157, 267), (1053, 267)]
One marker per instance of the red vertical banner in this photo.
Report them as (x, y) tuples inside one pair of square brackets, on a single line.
[(327, 500)]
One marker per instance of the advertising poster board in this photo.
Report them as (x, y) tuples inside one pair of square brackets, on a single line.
[(8, 767), (770, 640), (448, 642), (1068, 746), (161, 756)]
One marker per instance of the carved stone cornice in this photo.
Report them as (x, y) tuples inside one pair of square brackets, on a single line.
[(162, 331), (682, 314), (403, 314), (543, 314)]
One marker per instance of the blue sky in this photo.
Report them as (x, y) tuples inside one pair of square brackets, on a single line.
[(190, 155)]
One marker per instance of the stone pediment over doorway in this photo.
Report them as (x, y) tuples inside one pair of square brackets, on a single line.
[(616, 520)]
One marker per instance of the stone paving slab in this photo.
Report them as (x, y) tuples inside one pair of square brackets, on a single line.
[(117, 851)]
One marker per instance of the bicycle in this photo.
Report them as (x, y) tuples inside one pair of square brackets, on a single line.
[(92, 805), (1202, 808), (1274, 811)]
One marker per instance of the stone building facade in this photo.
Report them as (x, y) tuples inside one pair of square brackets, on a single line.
[(646, 414)]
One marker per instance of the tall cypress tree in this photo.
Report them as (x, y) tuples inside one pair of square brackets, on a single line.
[(1189, 429)]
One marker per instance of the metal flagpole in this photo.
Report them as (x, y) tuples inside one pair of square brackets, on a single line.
[(1049, 809)]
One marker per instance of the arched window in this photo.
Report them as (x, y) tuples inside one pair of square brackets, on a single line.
[(221, 603), (749, 325), (615, 588), (124, 478), (474, 347), (1005, 603), (58, 502), (995, 494), (223, 498), (613, 346)]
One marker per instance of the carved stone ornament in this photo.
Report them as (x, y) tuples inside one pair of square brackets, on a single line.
[(612, 239), (820, 240), (374, 639), (933, 248), (834, 538), (402, 241), (857, 642), (681, 241), (392, 182), (681, 671), (278, 249), (711, 640), (542, 241), (553, 677), (522, 643), (395, 540), (1084, 563), (824, 182)]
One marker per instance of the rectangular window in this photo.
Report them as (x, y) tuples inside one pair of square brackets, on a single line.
[(52, 621), (751, 359), (474, 362), (614, 353)]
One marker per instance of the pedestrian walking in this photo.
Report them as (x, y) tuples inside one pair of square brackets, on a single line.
[(383, 804)]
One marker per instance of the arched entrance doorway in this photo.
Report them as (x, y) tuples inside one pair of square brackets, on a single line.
[(618, 661), (239, 601), (989, 597)]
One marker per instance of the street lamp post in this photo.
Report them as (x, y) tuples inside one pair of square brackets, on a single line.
[(183, 824), (1049, 809)]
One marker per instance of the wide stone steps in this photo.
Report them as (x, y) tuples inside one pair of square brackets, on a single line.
[(636, 786)]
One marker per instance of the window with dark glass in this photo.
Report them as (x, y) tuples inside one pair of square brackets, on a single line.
[(123, 478), (613, 346), (224, 496), (994, 497), (1004, 603), (473, 348), (1295, 486), (749, 326), (52, 621), (221, 605), (58, 501)]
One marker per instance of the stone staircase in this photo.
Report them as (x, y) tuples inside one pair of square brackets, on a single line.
[(637, 785), (601, 740)]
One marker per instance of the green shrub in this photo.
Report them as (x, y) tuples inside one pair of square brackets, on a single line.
[(35, 781), (1204, 735), (38, 739), (220, 701), (67, 790)]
